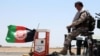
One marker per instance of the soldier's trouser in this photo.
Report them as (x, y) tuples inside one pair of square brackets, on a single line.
[(70, 36)]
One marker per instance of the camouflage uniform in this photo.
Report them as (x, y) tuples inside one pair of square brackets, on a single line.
[(75, 32)]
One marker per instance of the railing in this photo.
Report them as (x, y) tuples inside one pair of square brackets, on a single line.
[(98, 19)]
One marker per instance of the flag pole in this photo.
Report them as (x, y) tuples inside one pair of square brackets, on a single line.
[(33, 40)]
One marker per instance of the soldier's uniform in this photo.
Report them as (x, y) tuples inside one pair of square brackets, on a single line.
[(79, 18)]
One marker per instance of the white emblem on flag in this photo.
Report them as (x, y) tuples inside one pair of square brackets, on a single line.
[(21, 34)]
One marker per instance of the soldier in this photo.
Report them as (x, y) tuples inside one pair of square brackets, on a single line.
[(76, 25)]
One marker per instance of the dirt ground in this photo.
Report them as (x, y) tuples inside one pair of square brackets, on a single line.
[(27, 49)]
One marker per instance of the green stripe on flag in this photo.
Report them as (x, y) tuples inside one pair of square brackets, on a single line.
[(10, 35)]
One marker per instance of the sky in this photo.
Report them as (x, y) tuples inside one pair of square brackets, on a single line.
[(54, 15)]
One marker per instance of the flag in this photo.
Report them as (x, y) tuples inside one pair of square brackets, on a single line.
[(19, 34)]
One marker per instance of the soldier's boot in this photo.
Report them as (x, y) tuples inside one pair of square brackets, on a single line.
[(66, 46), (64, 50)]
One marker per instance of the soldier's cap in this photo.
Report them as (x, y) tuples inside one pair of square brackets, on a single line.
[(79, 3)]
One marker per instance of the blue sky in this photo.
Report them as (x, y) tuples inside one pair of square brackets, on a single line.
[(54, 15)]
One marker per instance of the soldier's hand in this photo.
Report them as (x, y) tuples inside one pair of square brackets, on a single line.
[(69, 29)]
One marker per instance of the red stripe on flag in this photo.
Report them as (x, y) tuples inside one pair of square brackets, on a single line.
[(19, 41), (20, 28)]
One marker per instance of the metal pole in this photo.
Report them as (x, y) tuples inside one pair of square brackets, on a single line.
[(31, 50)]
